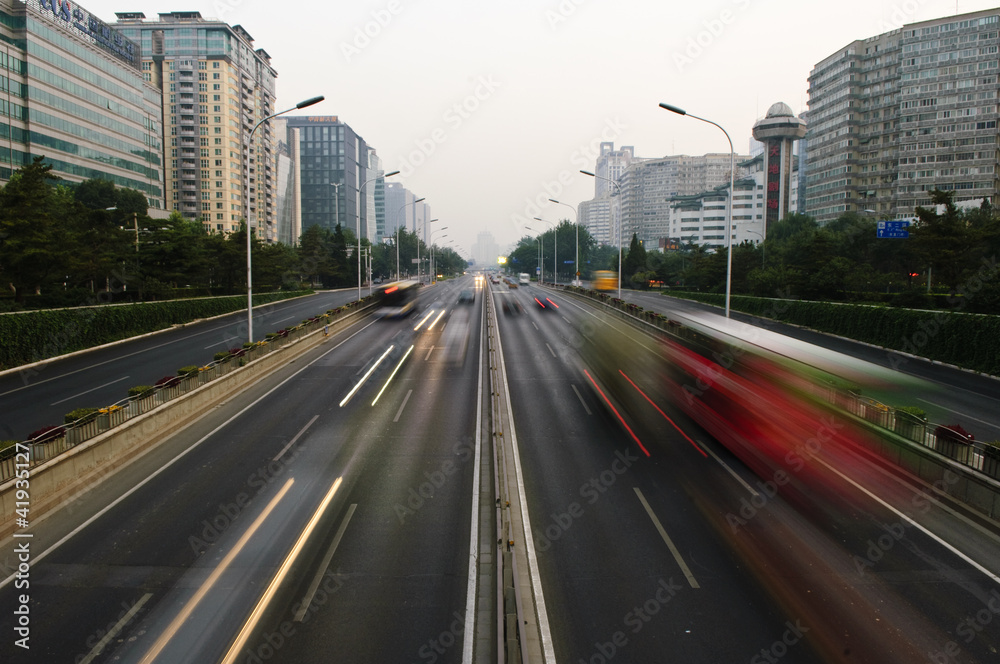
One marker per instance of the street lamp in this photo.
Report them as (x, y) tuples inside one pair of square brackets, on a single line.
[(358, 225), (301, 104), (135, 225), (620, 203), (433, 271), (424, 226), (577, 262), (539, 240), (555, 248), (398, 226), (732, 183)]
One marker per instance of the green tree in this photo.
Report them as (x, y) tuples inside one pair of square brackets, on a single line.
[(945, 241), (34, 247), (634, 263)]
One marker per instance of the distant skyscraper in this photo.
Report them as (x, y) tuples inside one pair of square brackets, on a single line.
[(485, 250)]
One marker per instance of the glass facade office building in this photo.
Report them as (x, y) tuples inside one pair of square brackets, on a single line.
[(72, 91), (330, 152)]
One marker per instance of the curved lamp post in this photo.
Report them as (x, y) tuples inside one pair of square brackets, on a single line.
[(433, 275), (620, 203), (398, 226), (577, 261), (538, 239), (301, 104), (729, 217), (424, 226), (358, 226), (555, 249)]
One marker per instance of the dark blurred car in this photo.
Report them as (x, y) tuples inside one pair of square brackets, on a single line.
[(467, 296)]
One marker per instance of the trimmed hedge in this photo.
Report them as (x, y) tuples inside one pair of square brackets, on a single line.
[(971, 341), (38, 335)]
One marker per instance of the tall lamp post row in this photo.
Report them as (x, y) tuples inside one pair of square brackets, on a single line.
[(361, 189), (555, 249), (619, 190), (576, 262), (301, 104), (399, 226)]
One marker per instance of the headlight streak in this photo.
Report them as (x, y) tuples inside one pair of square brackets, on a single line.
[(431, 326), (241, 639), (365, 377), (665, 416), (393, 374), (182, 617), (423, 320)]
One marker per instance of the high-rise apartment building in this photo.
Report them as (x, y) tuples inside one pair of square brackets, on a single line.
[(72, 90), (633, 194), (894, 116), (648, 185), (595, 216), (216, 88)]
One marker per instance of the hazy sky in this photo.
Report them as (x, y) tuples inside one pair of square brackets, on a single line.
[(491, 108)]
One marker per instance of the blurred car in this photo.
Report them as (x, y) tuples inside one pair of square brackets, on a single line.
[(467, 296)]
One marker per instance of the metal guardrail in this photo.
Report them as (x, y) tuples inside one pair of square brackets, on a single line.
[(60, 439), (981, 457), (941, 438)]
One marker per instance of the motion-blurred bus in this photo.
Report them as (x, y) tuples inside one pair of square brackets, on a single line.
[(397, 299), (605, 280)]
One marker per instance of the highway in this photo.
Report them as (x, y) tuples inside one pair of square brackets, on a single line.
[(325, 515), (41, 394)]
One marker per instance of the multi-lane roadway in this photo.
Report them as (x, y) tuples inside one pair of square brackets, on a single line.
[(326, 515)]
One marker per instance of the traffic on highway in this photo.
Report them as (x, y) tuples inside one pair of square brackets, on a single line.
[(506, 469)]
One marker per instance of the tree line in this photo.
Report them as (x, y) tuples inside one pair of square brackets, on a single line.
[(956, 250), (92, 243)]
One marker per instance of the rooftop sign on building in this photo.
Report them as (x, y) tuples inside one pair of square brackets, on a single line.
[(89, 28)]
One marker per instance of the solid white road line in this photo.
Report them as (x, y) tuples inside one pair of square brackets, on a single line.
[(468, 639)]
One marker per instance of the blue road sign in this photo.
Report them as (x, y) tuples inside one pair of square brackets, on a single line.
[(893, 229)]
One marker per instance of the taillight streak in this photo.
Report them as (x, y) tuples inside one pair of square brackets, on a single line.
[(617, 414), (665, 416)]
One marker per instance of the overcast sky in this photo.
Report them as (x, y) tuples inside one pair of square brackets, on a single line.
[(491, 108)]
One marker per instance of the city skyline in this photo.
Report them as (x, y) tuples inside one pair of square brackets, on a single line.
[(488, 112)]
